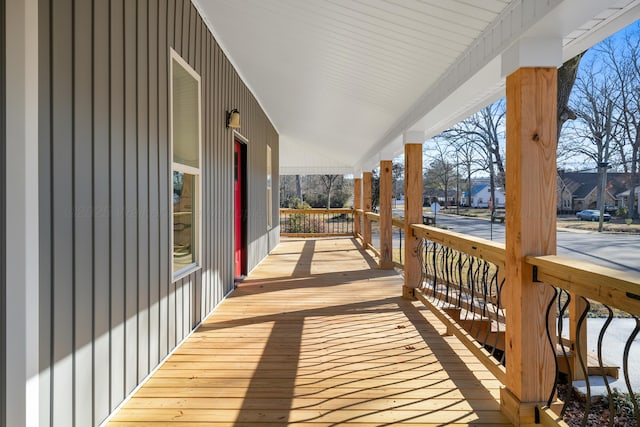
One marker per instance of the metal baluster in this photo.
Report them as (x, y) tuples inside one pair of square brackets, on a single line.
[(583, 366), (552, 344), (612, 411), (625, 368), (562, 309)]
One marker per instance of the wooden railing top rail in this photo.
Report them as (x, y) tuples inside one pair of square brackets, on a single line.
[(612, 287), (373, 216), (397, 221), (316, 211), (481, 248)]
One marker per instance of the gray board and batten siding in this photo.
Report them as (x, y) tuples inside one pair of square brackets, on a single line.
[(3, 216), (109, 308)]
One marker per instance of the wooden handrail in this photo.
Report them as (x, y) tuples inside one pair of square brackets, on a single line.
[(608, 286), (374, 250), (372, 216), (488, 250), (397, 221)]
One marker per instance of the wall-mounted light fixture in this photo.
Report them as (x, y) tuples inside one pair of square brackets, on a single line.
[(233, 119)]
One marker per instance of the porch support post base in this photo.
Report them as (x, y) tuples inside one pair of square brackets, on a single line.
[(386, 265), (409, 293), (519, 413)]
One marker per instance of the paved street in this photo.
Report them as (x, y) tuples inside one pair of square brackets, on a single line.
[(619, 251)]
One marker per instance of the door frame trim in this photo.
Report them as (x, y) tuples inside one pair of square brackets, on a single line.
[(244, 267)]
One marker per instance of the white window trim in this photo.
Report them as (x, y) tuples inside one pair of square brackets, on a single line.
[(269, 204), (178, 167)]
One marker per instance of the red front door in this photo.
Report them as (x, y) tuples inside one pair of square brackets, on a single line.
[(239, 209)]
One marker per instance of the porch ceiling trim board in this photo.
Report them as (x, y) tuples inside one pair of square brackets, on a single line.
[(343, 80)]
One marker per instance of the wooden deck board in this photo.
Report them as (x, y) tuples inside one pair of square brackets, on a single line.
[(315, 337)]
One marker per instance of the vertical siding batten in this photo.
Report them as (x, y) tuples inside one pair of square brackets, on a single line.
[(101, 190), (172, 31), (116, 205), (45, 133), (206, 184), (62, 181), (163, 165), (142, 208), (154, 178), (82, 209), (3, 240), (130, 190)]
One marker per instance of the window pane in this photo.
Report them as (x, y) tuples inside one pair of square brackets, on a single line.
[(183, 220), (185, 117)]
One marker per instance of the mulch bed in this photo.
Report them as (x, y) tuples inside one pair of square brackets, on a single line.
[(599, 412)]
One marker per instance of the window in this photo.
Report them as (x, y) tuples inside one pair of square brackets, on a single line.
[(269, 192), (185, 147)]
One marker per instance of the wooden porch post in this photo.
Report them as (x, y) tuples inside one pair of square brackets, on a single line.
[(366, 200), (386, 247), (357, 204), (530, 230), (412, 210)]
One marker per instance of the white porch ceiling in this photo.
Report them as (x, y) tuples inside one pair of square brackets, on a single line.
[(341, 80)]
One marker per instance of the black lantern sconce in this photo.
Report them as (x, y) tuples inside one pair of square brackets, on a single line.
[(233, 119)]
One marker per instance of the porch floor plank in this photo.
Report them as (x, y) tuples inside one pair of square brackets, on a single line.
[(317, 337)]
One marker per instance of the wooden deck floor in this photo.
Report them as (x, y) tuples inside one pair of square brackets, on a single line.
[(317, 337)]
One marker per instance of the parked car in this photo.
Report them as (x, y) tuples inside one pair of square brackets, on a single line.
[(610, 209), (592, 215)]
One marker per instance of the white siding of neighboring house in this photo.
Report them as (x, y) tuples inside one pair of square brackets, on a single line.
[(481, 198)]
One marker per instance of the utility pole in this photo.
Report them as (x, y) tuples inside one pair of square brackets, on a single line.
[(602, 166), (457, 184)]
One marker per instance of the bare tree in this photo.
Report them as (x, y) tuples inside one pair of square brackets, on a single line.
[(596, 94), (397, 174), (623, 59), (485, 130), (566, 78), (440, 176), (298, 187), (328, 181), (289, 197), (441, 171), (467, 157)]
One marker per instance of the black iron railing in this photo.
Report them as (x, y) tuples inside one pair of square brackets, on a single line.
[(469, 289), (397, 235), (316, 222), (595, 338), (462, 281)]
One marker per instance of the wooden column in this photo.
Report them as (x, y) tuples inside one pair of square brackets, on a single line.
[(412, 215), (366, 201), (530, 230), (357, 204), (386, 247)]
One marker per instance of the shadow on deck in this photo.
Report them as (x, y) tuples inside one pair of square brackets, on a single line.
[(315, 336)]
